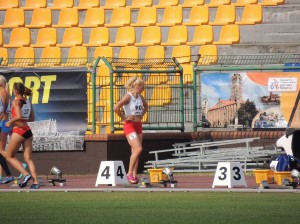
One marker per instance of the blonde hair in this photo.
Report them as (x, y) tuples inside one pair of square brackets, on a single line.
[(3, 81), (132, 83)]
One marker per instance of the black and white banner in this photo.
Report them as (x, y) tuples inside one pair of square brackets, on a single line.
[(59, 101)]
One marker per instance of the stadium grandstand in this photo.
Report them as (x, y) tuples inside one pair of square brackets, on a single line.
[(64, 33), (169, 44)]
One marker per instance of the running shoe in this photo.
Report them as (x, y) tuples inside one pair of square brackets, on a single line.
[(131, 179), (7, 180), (137, 179), (35, 186), (21, 175), (25, 181)]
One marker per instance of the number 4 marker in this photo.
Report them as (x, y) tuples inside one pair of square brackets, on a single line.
[(111, 173)]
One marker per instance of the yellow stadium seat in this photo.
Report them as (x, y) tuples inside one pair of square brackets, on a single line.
[(216, 3), (125, 77), (225, 15), (187, 75), (4, 56), (7, 4), (120, 17), (155, 52), (203, 35), (161, 96), (138, 4), (71, 37), (191, 3), (129, 52), (14, 17), (125, 36), (252, 14), (1, 37), (271, 2), (151, 36), (98, 128), (51, 56), (174, 79), (77, 56), (244, 2), (46, 37), (198, 15), (182, 54), (104, 51), (78, 52), (146, 17), (157, 78), (103, 76), (61, 4), (20, 37), (98, 37), (24, 57), (68, 17), (106, 116), (230, 34), (165, 3), (104, 97), (209, 55), (111, 4), (94, 17), (172, 16), (34, 4), (177, 36), (41, 17), (145, 118), (87, 4)]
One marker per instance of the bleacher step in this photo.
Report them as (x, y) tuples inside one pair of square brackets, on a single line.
[(254, 48), (261, 31), (287, 37)]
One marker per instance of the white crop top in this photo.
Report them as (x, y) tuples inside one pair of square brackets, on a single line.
[(134, 107), (26, 109), (7, 108)]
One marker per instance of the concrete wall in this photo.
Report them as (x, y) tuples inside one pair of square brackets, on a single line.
[(115, 147)]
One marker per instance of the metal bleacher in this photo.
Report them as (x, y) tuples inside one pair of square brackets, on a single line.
[(204, 155)]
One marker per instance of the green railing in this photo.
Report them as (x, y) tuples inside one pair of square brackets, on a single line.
[(163, 92)]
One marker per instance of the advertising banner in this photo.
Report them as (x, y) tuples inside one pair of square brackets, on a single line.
[(249, 99), (59, 101)]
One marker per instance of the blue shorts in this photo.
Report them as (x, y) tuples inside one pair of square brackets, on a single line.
[(3, 128)]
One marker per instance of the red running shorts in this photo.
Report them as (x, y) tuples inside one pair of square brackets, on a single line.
[(130, 126)]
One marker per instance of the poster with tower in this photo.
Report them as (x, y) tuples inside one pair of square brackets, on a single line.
[(248, 99)]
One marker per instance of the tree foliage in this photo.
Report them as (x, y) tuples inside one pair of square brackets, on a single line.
[(246, 113)]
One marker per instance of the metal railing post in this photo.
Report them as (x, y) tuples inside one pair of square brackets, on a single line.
[(181, 95), (194, 99), (93, 74), (111, 91)]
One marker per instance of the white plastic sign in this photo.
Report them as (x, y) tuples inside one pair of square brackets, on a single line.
[(229, 174), (111, 172)]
